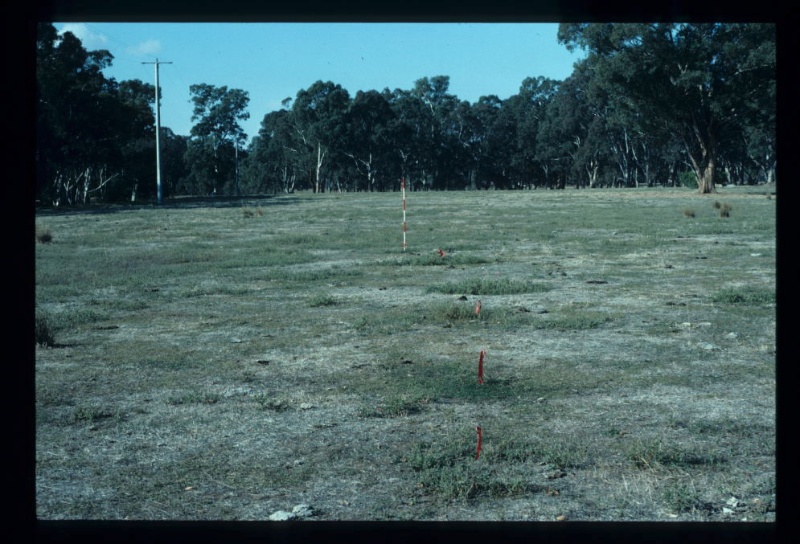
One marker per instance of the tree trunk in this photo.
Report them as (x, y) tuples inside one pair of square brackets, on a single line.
[(703, 160), (318, 187)]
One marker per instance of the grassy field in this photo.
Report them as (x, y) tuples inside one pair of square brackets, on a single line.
[(226, 361)]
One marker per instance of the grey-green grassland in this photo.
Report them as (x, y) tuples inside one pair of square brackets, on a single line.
[(226, 362)]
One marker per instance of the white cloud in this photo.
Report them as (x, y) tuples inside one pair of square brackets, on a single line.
[(149, 47), (89, 39)]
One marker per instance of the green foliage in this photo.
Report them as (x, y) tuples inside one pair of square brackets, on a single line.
[(619, 118), (688, 179), (76, 155), (678, 79)]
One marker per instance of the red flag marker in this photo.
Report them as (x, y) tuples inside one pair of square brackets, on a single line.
[(480, 441), (478, 308), (480, 366)]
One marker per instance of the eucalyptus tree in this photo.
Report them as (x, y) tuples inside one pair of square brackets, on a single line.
[(488, 147), (174, 171), (86, 124), (137, 135), (530, 106), (700, 82), (318, 114), (562, 131), (370, 140), (439, 129), (217, 136), (278, 161), (412, 140)]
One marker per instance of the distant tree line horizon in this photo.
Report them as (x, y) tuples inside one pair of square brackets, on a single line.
[(659, 104)]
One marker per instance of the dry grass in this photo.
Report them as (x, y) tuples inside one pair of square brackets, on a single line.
[(208, 366)]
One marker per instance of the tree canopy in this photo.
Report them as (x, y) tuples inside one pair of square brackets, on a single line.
[(650, 104)]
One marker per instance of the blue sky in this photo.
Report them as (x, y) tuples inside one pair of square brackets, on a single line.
[(273, 61)]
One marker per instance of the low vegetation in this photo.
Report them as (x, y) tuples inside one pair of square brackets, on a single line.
[(193, 363)]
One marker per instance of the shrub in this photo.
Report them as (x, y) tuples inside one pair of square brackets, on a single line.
[(688, 212), (321, 299), (43, 331), (688, 179), (43, 235), (725, 210)]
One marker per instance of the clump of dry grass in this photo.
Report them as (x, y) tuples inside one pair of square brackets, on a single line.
[(688, 212), (725, 210), (43, 235), (250, 212), (43, 331)]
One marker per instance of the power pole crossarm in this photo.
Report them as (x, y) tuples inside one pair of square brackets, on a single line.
[(158, 131)]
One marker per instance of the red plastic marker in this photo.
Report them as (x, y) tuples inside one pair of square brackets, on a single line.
[(478, 308), (480, 366), (480, 441)]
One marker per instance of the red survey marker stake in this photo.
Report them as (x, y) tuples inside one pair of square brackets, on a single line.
[(480, 366), (480, 442)]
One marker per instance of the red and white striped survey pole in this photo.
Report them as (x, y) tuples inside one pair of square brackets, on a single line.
[(405, 228)]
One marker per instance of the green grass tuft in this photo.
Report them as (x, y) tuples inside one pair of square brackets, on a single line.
[(745, 295), (43, 330), (321, 299), (485, 286)]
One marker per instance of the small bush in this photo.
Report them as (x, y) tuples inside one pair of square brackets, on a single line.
[(43, 235), (725, 210), (688, 179), (267, 402), (681, 497), (717, 205), (91, 414), (688, 212), (43, 331), (321, 300)]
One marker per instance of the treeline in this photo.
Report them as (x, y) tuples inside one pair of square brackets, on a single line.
[(650, 104)]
